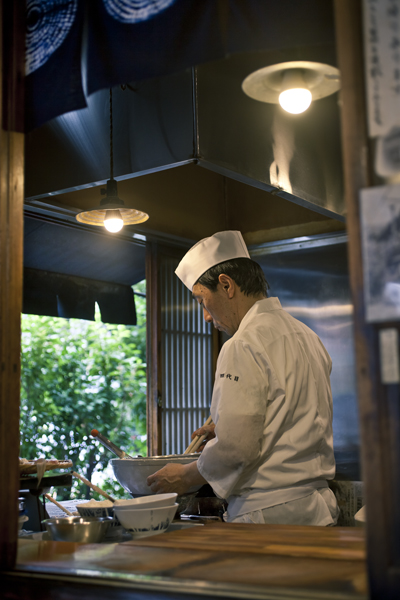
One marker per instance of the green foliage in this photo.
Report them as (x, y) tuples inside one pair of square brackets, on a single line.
[(81, 375)]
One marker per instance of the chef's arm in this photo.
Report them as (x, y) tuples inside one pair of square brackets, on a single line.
[(175, 478)]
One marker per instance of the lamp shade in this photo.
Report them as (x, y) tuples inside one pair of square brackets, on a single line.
[(267, 84), (112, 212), (109, 208), (130, 216)]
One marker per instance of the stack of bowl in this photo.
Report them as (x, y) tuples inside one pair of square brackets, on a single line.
[(147, 515), (101, 509)]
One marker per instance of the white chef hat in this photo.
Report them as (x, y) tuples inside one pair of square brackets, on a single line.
[(209, 252)]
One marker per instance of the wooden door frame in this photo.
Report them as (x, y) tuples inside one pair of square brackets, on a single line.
[(12, 44), (380, 459), (374, 399), (153, 350)]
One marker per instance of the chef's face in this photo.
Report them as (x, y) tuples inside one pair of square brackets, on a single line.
[(216, 307)]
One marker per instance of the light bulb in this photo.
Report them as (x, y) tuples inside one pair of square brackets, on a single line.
[(295, 100), (113, 221)]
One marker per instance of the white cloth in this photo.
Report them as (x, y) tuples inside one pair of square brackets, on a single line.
[(318, 509), (222, 246), (272, 409)]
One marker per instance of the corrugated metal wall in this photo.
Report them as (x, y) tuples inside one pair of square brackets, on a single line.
[(186, 356)]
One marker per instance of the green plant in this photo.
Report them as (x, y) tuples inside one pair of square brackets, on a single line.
[(77, 376)]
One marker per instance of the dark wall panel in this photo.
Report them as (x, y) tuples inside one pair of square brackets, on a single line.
[(313, 285)]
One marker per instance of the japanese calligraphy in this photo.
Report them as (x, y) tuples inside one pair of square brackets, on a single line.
[(382, 58), (229, 376)]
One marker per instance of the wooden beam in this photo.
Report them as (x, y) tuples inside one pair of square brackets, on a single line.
[(154, 375), (11, 240), (377, 408)]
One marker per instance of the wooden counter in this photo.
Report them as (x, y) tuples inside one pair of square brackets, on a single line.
[(219, 559)]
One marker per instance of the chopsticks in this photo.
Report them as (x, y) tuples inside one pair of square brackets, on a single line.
[(198, 440), (59, 505), (93, 487)]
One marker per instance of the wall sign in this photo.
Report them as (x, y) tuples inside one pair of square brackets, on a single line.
[(382, 66), (389, 356), (382, 63), (380, 221)]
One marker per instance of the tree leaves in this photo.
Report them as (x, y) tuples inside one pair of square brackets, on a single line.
[(79, 375)]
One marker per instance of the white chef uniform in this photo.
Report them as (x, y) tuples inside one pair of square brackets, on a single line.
[(272, 409)]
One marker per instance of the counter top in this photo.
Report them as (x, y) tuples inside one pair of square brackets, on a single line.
[(254, 560)]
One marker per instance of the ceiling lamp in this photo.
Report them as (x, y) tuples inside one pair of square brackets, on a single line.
[(292, 84), (112, 212)]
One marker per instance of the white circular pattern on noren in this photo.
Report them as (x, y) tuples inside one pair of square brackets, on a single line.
[(48, 23), (134, 11)]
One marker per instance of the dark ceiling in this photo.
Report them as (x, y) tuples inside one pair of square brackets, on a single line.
[(193, 151)]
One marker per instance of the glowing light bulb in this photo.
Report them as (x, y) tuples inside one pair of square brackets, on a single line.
[(113, 221), (295, 100)]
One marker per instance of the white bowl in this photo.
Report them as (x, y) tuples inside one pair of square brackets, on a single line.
[(132, 473), (144, 501), (99, 512), (142, 522)]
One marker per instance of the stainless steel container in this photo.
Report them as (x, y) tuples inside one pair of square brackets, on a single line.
[(88, 530), (132, 473)]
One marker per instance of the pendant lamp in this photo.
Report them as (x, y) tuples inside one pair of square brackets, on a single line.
[(294, 85), (112, 212)]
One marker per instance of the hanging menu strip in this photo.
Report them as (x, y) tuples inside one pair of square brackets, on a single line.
[(389, 355), (382, 64)]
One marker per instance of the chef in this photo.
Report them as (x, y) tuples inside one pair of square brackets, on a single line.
[(271, 451)]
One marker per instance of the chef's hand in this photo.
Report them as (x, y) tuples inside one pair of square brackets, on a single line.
[(207, 430), (175, 478)]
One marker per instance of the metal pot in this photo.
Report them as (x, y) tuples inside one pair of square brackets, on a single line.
[(132, 473)]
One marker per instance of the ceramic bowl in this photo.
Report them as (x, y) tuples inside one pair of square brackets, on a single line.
[(142, 522), (144, 501), (132, 473), (98, 512), (76, 529)]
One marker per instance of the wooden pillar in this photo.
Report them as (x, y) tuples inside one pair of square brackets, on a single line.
[(11, 239), (378, 404), (154, 375)]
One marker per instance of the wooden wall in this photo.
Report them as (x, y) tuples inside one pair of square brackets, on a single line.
[(379, 415), (11, 207)]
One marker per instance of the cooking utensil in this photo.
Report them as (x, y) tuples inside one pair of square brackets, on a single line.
[(58, 504), (200, 518), (75, 529), (93, 487), (132, 473), (109, 445), (198, 440)]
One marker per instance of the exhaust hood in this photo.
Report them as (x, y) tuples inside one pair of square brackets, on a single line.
[(202, 117)]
